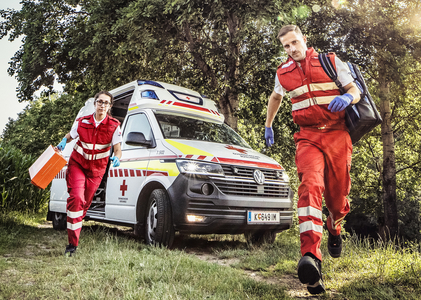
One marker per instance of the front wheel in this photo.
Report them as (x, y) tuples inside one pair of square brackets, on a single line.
[(59, 221), (159, 229)]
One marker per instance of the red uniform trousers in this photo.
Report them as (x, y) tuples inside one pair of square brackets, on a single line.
[(323, 159), (81, 190)]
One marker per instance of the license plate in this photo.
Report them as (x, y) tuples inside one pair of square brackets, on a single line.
[(262, 217)]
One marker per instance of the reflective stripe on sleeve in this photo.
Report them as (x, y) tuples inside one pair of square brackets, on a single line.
[(310, 211), (74, 214), (309, 225), (74, 226)]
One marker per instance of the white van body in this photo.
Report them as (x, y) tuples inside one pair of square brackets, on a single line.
[(182, 169)]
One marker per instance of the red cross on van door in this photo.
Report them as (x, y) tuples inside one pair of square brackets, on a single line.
[(123, 187)]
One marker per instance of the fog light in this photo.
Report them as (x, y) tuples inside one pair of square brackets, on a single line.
[(207, 189), (195, 218)]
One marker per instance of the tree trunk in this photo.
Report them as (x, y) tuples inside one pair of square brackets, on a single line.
[(229, 106), (229, 101), (390, 228)]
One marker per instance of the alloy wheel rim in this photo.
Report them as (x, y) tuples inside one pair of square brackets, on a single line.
[(152, 220)]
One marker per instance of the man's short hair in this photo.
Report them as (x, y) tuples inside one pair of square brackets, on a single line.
[(288, 28)]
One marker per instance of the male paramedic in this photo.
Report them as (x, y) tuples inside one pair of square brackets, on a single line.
[(323, 147), (87, 164)]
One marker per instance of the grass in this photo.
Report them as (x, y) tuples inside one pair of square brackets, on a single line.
[(111, 264)]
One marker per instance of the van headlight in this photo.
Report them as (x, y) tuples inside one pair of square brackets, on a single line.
[(197, 167)]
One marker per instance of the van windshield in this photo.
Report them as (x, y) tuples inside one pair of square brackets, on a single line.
[(177, 127)]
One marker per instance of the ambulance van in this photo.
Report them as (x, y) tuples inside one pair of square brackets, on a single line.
[(182, 170)]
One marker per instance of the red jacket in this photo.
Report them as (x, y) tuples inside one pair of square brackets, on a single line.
[(311, 91), (92, 150)]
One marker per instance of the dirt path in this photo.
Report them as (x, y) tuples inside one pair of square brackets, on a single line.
[(203, 250), (294, 288)]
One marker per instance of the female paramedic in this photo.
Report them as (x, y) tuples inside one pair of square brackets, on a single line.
[(88, 161)]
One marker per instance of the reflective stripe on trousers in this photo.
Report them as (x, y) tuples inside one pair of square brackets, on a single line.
[(323, 162), (81, 191)]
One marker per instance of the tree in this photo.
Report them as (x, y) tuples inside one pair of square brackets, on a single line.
[(383, 37), (221, 48), (43, 122)]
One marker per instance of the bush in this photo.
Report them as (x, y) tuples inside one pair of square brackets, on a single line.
[(16, 191)]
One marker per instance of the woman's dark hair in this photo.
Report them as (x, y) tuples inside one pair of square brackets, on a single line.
[(104, 92)]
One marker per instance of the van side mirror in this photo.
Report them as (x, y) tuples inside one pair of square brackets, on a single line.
[(138, 139)]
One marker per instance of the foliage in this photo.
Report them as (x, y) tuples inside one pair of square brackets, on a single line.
[(42, 123), (221, 48), (16, 191)]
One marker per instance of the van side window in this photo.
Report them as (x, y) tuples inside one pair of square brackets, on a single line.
[(136, 123)]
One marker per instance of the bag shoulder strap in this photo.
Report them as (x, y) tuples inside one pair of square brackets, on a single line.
[(330, 70)]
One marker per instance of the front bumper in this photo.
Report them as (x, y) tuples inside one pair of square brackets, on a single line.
[(225, 209)]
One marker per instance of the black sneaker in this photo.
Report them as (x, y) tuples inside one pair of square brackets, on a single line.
[(310, 273), (334, 245), (70, 250)]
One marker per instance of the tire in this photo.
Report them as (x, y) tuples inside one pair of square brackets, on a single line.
[(159, 230), (59, 221), (260, 237)]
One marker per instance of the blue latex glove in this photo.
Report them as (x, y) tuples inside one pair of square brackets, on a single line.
[(62, 144), (115, 161), (340, 102), (269, 136)]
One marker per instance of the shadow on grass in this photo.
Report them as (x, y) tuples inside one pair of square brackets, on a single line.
[(207, 243), (371, 288)]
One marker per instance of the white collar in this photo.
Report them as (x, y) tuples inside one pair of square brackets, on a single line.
[(98, 122)]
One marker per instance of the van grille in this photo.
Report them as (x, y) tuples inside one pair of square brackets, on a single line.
[(241, 183)]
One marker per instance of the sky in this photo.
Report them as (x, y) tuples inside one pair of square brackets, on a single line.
[(10, 106)]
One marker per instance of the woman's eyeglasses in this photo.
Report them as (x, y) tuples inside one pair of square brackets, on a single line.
[(100, 102)]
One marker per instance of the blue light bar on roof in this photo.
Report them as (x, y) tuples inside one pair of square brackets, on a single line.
[(150, 82), (149, 95)]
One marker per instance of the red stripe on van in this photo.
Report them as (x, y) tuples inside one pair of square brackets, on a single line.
[(154, 173), (249, 163), (191, 106)]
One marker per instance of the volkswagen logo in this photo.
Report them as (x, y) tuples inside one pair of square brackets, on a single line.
[(259, 177)]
